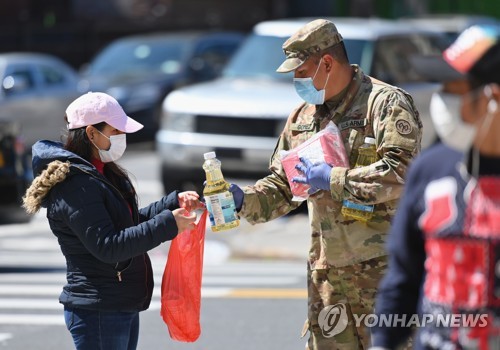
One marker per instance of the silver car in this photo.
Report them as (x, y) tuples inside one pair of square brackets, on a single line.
[(36, 89), (241, 115)]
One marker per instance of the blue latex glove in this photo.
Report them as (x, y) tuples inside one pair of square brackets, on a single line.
[(238, 196), (316, 175)]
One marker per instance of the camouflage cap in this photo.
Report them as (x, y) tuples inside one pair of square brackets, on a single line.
[(313, 37)]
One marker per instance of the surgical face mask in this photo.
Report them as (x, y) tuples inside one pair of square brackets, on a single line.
[(307, 91), (116, 150), (448, 123)]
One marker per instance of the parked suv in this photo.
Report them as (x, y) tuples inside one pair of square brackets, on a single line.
[(241, 114)]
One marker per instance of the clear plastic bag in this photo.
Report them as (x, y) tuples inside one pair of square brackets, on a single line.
[(181, 284), (326, 145)]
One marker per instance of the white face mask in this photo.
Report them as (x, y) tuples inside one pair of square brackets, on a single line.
[(446, 116), (116, 150)]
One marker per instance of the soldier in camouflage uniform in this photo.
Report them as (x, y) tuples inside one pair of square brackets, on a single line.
[(346, 257)]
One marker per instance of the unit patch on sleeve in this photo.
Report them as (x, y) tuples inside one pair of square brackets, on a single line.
[(403, 127)]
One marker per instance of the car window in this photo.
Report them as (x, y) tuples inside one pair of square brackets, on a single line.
[(18, 81), (132, 58), (51, 76), (259, 57), (357, 51), (210, 59), (391, 61)]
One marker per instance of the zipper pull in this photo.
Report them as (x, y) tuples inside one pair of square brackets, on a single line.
[(119, 275)]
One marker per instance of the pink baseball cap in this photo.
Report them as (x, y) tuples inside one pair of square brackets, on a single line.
[(96, 107)]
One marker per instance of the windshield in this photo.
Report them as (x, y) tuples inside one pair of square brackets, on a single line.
[(358, 52), (130, 58), (260, 56)]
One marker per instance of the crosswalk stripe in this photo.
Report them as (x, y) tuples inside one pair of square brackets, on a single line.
[(268, 293), (38, 290), (26, 319), (23, 289), (53, 304), (30, 278), (32, 298), (30, 304), (255, 270), (210, 276), (207, 280), (5, 336), (253, 281), (58, 319)]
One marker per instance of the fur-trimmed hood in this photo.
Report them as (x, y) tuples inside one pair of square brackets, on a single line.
[(52, 164)]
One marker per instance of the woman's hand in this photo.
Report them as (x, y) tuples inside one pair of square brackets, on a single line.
[(183, 219), (190, 200)]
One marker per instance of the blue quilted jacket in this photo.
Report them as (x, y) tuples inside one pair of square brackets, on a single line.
[(103, 237)]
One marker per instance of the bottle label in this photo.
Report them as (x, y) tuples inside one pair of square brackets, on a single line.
[(221, 208), (356, 206)]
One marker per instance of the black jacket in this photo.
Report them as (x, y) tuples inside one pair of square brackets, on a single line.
[(104, 245)]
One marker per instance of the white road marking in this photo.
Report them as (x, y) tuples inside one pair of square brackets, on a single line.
[(31, 298), (30, 304), (5, 336), (26, 319), (47, 281)]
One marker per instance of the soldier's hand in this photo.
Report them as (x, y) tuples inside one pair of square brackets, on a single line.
[(238, 196), (316, 175)]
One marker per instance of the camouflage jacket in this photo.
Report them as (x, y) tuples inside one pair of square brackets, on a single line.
[(369, 108)]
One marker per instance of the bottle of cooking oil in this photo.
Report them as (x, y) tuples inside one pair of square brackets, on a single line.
[(367, 154), (219, 201)]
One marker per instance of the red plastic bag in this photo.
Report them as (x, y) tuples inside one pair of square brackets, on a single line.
[(181, 284)]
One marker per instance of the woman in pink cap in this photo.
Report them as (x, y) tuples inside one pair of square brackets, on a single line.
[(92, 210)]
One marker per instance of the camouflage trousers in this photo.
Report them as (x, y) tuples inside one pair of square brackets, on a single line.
[(334, 296)]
